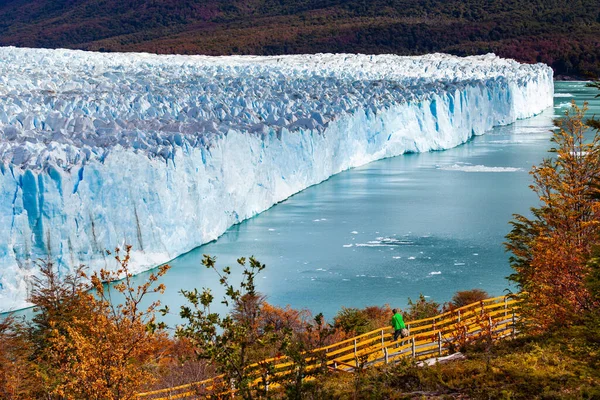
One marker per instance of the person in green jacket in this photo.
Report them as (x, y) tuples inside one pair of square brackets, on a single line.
[(397, 324)]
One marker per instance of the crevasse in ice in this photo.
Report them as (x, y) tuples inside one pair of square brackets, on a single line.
[(167, 152)]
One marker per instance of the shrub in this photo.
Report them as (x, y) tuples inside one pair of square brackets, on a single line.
[(352, 321), (467, 297), (420, 309)]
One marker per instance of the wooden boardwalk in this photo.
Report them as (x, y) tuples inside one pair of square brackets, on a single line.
[(493, 318)]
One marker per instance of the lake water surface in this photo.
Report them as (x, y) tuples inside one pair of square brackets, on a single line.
[(430, 223)]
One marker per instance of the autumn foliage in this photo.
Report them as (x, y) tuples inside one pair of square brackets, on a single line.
[(80, 344), (552, 249)]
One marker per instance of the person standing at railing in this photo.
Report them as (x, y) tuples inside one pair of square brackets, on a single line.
[(398, 325)]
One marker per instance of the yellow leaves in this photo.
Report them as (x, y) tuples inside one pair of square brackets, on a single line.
[(106, 356), (552, 251), (82, 346)]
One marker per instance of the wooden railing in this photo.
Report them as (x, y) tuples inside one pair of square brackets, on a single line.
[(493, 318)]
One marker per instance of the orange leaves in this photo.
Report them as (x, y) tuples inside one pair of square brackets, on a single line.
[(80, 345), (279, 319), (100, 358), (552, 250), (15, 366)]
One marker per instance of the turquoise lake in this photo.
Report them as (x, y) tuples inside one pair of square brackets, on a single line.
[(430, 223)]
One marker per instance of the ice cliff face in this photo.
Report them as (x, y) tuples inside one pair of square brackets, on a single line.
[(167, 152)]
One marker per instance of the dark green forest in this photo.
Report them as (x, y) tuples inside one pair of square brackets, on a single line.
[(563, 34)]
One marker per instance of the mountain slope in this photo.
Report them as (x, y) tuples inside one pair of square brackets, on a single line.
[(561, 33)]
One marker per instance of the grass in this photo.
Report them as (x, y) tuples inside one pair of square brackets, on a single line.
[(552, 366)]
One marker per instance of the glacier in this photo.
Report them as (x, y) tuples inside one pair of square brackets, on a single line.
[(167, 152)]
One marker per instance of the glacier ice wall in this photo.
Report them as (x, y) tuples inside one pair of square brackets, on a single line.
[(167, 152)]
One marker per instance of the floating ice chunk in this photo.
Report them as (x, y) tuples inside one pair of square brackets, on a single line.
[(479, 168), (354, 233), (411, 258), (384, 242), (563, 105), (347, 245), (459, 263), (435, 273), (563, 95)]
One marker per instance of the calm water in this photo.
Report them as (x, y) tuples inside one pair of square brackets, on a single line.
[(430, 223)]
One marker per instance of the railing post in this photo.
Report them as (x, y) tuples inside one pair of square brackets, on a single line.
[(232, 383), (386, 355), (412, 346), (408, 329), (267, 383), (382, 344), (440, 342), (355, 355), (458, 315), (505, 306), (514, 328), (335, 365)]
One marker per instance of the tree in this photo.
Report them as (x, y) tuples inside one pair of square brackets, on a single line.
[(85, 346), (252, 331), (233, 342), (550, 251)]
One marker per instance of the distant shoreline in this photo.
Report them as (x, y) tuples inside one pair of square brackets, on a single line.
[(571, 78)]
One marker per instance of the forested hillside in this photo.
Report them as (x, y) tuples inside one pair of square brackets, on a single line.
[(564, 34)]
